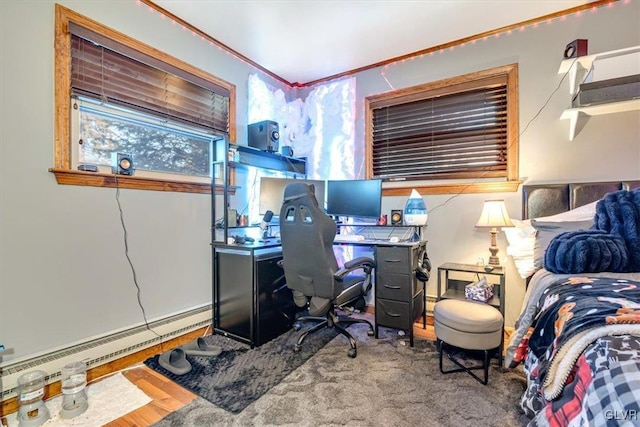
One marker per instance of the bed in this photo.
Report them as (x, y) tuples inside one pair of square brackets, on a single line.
[(578, 333)]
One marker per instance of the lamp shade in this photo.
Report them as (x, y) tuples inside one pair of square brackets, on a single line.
[(494, 214)]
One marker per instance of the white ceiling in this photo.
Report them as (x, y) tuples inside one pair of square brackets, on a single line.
[(306, 40)]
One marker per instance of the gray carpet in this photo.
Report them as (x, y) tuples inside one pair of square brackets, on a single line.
[(240, 375), (388, 384)]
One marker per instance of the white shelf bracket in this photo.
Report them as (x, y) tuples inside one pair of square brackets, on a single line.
[(577, 73), (577, 121)]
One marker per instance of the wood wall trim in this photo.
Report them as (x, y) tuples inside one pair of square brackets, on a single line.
[(455, 188), (62, 138), (96, 179), (505, 74), (207, 37), (449, 45), (453, 44)]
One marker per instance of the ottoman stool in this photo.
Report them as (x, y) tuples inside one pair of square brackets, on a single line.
[(468, 325)]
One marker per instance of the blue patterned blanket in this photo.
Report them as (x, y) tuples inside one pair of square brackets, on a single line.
[(574, 313)]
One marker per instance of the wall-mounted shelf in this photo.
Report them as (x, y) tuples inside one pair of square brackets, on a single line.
[(583, 65), (579, 69), (252, 157), (578, 116), (227, 158)]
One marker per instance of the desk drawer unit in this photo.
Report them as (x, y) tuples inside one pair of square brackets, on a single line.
[(394, 286), (399, 295), (393, 259)]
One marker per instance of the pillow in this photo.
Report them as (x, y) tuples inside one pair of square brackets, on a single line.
[(547, 230), (581, 213), (521, 239)]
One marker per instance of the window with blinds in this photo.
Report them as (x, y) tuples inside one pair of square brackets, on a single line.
[(454, 129), (103, 74), (117, 95)]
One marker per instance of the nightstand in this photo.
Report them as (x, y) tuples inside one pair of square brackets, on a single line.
[(453, 277)]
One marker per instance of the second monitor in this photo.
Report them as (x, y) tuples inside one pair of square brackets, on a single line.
[(355, 198), (272, 192)]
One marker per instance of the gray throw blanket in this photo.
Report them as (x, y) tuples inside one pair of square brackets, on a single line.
[(612, 244)]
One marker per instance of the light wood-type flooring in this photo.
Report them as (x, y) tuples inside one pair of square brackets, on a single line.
[(168, 396)]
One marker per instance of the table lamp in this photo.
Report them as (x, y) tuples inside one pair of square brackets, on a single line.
[(494, 214)]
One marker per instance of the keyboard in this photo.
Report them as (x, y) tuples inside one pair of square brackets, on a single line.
[(348, 238)]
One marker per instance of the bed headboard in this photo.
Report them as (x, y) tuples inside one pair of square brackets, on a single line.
[(550, 199)]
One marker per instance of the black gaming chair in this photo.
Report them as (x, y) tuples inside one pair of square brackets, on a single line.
[(310, 266)]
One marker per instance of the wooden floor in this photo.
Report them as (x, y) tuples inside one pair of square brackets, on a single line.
[(168, 396)]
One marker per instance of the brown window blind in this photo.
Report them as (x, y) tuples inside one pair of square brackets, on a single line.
[(104, 70), (459, 135)]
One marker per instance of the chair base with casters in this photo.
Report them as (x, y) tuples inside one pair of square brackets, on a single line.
[(351, 296), (467, 325), (331, 320)]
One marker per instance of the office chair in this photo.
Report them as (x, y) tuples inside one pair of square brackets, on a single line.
[(311, 269)]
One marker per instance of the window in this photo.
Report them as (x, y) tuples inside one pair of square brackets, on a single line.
[(159, 150), (454, 134), (114, 94)]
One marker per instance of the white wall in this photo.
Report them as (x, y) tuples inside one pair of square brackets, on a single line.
[(608, 148), (64, 275)]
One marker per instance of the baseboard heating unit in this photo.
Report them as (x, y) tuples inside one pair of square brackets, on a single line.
[(104, 349)]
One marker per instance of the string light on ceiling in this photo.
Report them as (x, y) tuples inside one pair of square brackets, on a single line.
[(205, 38)]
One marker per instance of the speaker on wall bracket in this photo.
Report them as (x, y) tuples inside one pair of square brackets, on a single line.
[(576, 48), (396, 217), (122, 164)]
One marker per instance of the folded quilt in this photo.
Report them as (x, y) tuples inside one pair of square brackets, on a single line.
[(586, 251)]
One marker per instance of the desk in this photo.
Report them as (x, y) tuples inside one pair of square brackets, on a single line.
[(251, 306)]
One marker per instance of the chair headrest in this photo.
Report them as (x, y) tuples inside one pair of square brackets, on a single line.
[(297, 190)]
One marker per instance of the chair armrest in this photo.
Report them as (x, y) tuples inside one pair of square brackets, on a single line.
[(364, 263)]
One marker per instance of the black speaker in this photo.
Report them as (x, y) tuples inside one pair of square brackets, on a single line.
[(396, 217), (121, 163), (576, 48), (264, 136)]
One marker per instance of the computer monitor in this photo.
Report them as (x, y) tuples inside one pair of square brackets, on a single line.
[(272, 192), (355, 198)]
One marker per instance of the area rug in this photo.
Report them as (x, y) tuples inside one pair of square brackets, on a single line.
[(109, 398), (387, 384), (240, 375)]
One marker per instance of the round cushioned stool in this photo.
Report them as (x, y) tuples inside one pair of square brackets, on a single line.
[(468, 325)]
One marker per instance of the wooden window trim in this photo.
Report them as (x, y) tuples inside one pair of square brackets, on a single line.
[(62, 170), (452, 85)]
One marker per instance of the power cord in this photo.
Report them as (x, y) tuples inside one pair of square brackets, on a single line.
[(133, 270), (535, 116)]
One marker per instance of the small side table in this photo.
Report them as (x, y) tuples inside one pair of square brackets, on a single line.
[(453, 277)]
